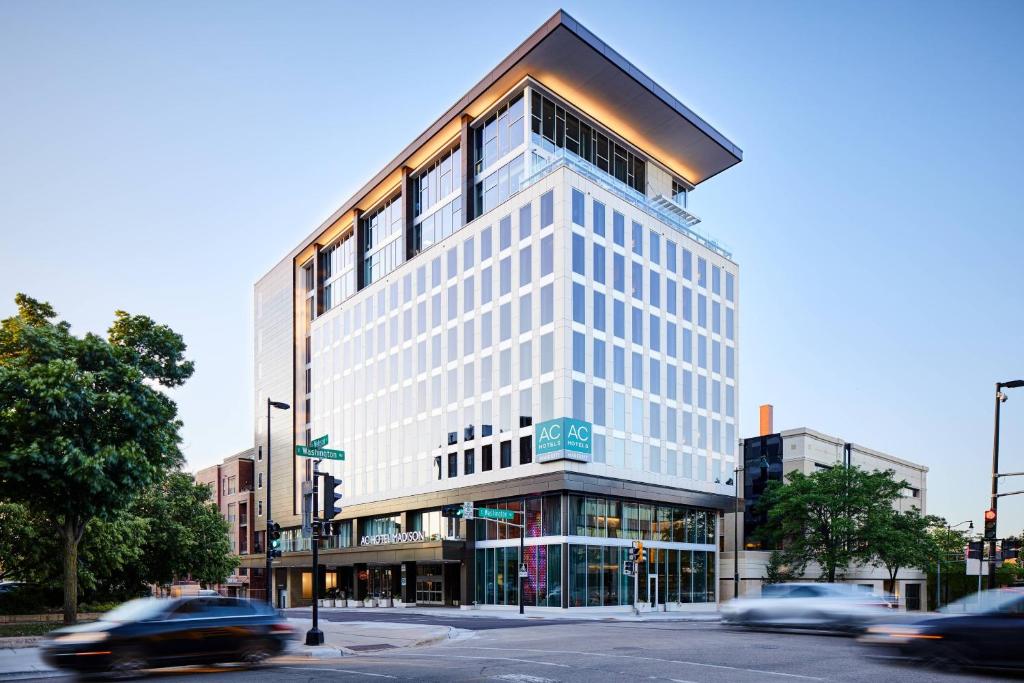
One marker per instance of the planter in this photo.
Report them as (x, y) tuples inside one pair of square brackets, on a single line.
[(321, 602), (355, 603), (387, 602), (374, 602), (330, 602)]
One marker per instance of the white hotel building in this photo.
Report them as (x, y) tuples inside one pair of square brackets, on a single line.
[(530, 257)]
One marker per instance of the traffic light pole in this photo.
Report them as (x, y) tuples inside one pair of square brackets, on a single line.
[(315, 636)]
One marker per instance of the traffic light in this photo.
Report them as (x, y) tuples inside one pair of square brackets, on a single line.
[(275, 538), (1011, 549), (332, 497), (452, 511), (640, 551), (975, 550), (990, 525)]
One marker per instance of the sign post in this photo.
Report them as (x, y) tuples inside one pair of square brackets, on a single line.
[(315, 636)]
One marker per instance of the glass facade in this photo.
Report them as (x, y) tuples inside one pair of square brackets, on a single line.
[(384, 249), (437, 201), (679, 559), (562, 128)]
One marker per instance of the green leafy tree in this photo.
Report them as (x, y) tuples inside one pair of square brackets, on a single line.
[(188, 537), (776, 570), (83, 426), (901, 540), (18, 540), (822, 517)]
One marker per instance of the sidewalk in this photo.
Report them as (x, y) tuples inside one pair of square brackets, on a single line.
[(532, 614), (343, 638)]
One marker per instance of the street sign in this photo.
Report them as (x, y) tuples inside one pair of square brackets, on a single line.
[(322, 453), (467, 510), (318, 442), (492, 513), (523, 573), (629, 568)]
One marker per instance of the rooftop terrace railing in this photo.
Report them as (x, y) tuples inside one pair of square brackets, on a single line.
[(660, 207)]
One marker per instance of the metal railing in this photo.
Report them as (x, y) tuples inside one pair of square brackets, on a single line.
[(560, 157)]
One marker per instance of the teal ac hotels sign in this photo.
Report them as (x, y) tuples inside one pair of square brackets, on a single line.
[(563, 439)]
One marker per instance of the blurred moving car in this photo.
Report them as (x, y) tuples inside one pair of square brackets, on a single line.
[(154, 632), (821, 606), (985, 630)]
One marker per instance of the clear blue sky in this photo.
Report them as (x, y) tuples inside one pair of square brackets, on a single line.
[(159, 157)]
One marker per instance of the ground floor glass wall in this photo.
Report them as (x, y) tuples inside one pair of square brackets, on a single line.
[(497, 576), (596, 578)]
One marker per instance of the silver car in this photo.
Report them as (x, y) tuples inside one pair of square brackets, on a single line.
[(822, 606)]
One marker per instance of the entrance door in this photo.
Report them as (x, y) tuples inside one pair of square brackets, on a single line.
[(429, 584), (379, 582), (652, 589), (913, 597)]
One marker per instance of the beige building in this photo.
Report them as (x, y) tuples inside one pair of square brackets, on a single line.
[(806, 450)]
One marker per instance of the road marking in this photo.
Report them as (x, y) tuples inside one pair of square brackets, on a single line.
[(523, 678), (344, 671), (507, 659), (643, 657)]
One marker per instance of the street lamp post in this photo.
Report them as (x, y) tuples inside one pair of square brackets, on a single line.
[(267, 579), (1000, 398), (938, 572)]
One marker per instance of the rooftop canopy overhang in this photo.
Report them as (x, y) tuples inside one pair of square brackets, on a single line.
[(575, 64)]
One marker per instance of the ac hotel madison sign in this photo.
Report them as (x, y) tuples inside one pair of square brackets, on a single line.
[(387, 539)]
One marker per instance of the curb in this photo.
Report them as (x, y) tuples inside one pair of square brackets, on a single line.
[(15, 642)]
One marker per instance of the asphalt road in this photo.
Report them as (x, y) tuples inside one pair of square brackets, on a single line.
[(600, 651)]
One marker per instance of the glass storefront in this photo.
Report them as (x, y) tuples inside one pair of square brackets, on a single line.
[(681, 569)]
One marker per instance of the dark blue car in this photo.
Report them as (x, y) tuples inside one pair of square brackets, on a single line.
[(981, 630), (152, 632)]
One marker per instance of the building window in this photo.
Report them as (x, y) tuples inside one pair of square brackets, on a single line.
[(382, 230), (485, 458), (525, 450), (506, 454), (259, 508), (453, 465), (679, 193), (502, 132), (259, 479), (469, 462), (577, 207), (565, 129)]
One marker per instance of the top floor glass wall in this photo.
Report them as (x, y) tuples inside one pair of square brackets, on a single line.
[(337, 268), (383, 234), (499, 155), (437, 200), (560, 127)]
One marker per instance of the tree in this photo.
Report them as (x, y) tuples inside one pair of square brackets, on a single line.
[(187, 536), (82, 426), (823, 517), (899, 540)]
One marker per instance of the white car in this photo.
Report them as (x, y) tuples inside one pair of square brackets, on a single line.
[(822, 606)]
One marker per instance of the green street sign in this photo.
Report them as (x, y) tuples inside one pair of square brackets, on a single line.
[(492, 513), (322, 453), (318, 442)]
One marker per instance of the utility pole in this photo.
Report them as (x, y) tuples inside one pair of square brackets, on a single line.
[(1000, 399)]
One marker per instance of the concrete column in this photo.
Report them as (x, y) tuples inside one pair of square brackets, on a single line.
[(409, 590), (360, 250), (467, 575), (408, 208), (468, 164)]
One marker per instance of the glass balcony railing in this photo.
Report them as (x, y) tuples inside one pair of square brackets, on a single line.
[(662, 208)]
